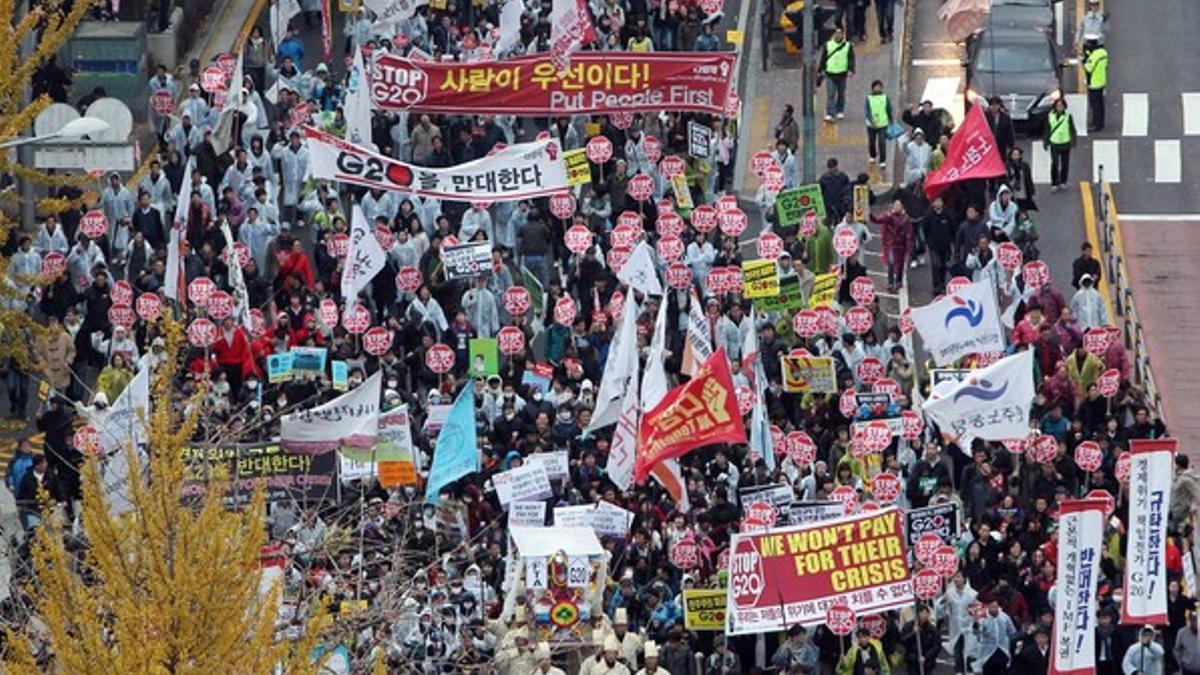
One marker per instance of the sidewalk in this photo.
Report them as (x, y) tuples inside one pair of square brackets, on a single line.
[(768, 92)]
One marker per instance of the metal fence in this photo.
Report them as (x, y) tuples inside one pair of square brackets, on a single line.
[(1126, 315)]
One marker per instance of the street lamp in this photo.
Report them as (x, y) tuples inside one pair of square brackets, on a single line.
[(80, 126)]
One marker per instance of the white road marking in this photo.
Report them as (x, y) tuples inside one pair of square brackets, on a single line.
[(1039, 164), (1168, 164), (1191, 114), (1135, 114), (944, 93), (1108, 155), (929, 63), (1078, 105), (1160, 217), (1059, 20)]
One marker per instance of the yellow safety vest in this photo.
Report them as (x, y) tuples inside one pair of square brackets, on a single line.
[(837, 57), (1097, 68), (1060, 128), (878, 104)]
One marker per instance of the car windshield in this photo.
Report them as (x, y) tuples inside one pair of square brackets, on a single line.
[(1014, 58), (1021, 3)]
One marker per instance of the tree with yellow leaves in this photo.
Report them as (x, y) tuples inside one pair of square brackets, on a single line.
[(165, 587), (48, 25)]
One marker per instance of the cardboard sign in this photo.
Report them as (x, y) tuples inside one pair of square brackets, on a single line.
[(817, 374), (704, 609), (308, 359), (862, 203), (340, 374), (788, 297), (556, 464), (525, 483), (279, 367), (760, 279), (804, 513), (484, 357), (699, 138), (579, 170), (940, 519), (793, 203), (527, 514), (683, 194), (467, 261)]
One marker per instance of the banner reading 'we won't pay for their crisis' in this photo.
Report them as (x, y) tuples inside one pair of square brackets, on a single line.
[(787, 576)]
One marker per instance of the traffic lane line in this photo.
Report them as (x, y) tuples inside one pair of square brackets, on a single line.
[(1168, 164), (1135, 114), (1161, 217), (1191, 114), (1093, 237), (1106, 154)]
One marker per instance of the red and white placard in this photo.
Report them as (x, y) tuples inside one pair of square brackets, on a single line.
[(439, 358)]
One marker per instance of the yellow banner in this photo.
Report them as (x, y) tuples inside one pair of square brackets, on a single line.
[(579, 172), (683, 194), (802, 374), (825, 287), (760, 279), (704, 609)]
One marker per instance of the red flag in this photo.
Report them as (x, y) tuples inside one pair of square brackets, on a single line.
[(972, 154), (700, 412)]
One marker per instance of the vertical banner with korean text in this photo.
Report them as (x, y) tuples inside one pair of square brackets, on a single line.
[(1080, 537), (1150, 472)]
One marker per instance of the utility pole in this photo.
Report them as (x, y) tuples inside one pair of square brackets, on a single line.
[(25, 152), (809, 94)]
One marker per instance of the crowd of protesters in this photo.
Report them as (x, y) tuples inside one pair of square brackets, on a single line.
[(444, 616)]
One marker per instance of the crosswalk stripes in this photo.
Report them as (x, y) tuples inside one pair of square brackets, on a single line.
[(1107, 154), (1135, 115), (1039, 164), (1168, 164), (1191, 113), (1078, 105)]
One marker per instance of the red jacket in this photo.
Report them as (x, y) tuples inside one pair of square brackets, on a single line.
[(234, 351), (292, 264), (897, 233)]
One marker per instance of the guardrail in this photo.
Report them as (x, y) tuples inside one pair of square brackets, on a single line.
[(1112, 256)]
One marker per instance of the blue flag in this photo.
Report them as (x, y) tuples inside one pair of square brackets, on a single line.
[(457, 451)]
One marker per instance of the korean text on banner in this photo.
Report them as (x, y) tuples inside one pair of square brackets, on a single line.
[(349, 420), (790, 296), (1150, 473), (523, 484), (792, 575), (760, 278), (393, 440), (991, 403), (285, 475), (579, 170), (520, 171), (704, 609), (466, 261), (824, 290), (596, 83), (1080, 537), (802, 374), (701, 412), (962, 323)]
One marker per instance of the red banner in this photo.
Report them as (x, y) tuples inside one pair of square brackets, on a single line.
[(782, 577), (700, 412), (972, 154), (595, 83)]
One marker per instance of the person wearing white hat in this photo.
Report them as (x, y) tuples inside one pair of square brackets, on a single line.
[(1144, 657), (544, 665), (631, 643), (518, 659), (652, 667)]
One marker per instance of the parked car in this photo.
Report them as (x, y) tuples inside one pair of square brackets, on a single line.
[(1021, 67)]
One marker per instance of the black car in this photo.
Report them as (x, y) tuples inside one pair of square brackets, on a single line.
[(1037, 14), (1019, 66)]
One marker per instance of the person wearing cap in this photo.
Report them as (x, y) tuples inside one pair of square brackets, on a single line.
[(651, 656), (519, 659), (1088, 305), (1095, 68), (608, 662), (1092, 27), (1144, 657), (545, 666), (631, 643)]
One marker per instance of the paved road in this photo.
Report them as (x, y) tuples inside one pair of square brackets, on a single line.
[(1154, 123)]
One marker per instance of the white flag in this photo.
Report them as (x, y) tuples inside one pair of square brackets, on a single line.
[(358, 104), (282, 12), (697, 345), (622, 455), (173, 282), (364, 258), (1080, 538), (241, 295), (510, 26), (1151, 470), (122, 431), (570, 29), (619, 368), (760, 425), (991, 403), (393, 11), (639, 273), (962, 323), (351, 419)]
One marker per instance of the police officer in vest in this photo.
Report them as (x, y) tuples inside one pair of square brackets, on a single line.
[(837, 63), (1095, 66), (878, 111), (1059, 138)]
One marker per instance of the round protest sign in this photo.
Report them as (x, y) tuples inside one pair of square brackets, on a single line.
[(886, 385), (213, 79), (925, 546), (745, 399), (670, 248), (627, 231), (927, 584), (733, 222), (1008, 255), (338, 245), (617, 257), (764, 512), (510, 340), (862, 290), (1110, 504), (913, 425), (1044, 449), (845, 242), (1088, 456), (1036, 274), (770, 246), (760, 160), (1096, 341), (148, 306), (409, 279), (772, 178), (327, 312), (874, 624), (847, 496), (562, 205), (806, 323), (564, 311), (220, 305), (704, 218), (356, 319), (163, 102), (377, 340), (641, 187), (599, 149), (840, 619), (876, 435), (200, 290), (87, 440), (672, 166), (1017, 446), (439, 358), (752, 525), (54, 264), (382, 235), (1124, 464), (578, 238), (1109, 382), (93, 224), (121, 293), (202, 332), (848, 403), (886, 487), (801, 448), (944, 561), (957, 284), (859, 320), (679, 275), (685, 554), (517, 300), (652, 148), (122, 315), (669, 224), (258, 323)]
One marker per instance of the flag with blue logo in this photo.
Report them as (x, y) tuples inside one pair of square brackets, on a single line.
[(961, 323), (457, 450), (990, 403)]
